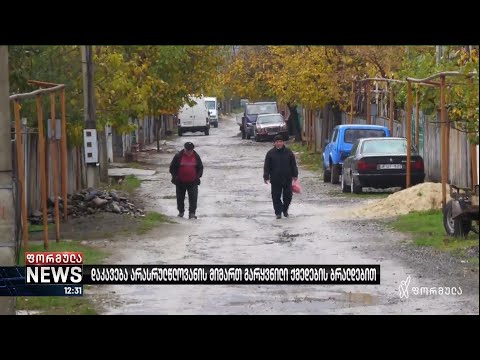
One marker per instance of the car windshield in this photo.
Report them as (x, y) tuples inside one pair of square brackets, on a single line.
[(353, 134), (253, 109), (270, 119), (391, 146), (210, 105)]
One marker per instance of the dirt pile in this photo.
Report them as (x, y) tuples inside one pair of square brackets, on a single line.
[(420, 197)]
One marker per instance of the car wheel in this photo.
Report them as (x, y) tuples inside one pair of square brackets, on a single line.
[(457, 227), (354, 188), (180, 132), (326, 175), (345, 187), (207, 132), (335, 174)]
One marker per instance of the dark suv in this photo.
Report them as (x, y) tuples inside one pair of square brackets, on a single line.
[(249, 118)]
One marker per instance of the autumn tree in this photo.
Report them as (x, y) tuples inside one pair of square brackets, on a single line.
[(462, 96), (55, 64)]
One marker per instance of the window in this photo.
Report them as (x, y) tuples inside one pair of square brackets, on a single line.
[(270, 119), (354, 148), (394, 146), (335, 135), (353, 134), (210, 105), (255, 109)]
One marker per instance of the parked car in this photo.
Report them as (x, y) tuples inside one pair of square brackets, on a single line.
[(213, 110), (380, 163), (193, 118), (249, 118), (340, 145), (268, 126)]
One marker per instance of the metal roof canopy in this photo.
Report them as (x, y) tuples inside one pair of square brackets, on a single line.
[(444, 131), (428, 81), (45, 89)]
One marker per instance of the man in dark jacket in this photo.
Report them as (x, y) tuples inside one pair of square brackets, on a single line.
[(280, 169), (187, 169)]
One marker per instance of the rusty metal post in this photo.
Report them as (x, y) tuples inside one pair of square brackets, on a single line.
[(21, 175), (417, 119), (63, 144), (55, 166), (48, 161), (444, 139), (447, 143), (392, 110), (408, 124), (352, 100), (368, 102), (43, 175)]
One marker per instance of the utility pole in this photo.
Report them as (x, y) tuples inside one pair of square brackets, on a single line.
[(7, 209), (89, 110)]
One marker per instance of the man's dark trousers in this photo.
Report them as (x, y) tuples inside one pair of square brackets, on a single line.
[(277, 190), (192, 197)]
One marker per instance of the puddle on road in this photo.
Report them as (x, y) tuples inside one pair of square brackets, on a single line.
[(355, 299), (286, 236), (169, 197)]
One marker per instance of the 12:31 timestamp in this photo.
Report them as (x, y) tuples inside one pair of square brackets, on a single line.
[(73, 290)]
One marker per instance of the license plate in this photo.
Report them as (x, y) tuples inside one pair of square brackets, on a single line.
[(390, 166), (187, 123)]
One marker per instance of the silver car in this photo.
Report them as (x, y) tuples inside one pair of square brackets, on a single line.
[(268, 126)]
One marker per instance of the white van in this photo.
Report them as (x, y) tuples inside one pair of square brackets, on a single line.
[(212, 106), (193, 118)]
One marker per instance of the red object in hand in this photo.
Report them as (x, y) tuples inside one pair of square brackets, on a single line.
[(296, 188)]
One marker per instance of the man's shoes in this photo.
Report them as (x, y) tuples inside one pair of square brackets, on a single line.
[(279, 216), (285, 213), (180, 214), (192, 216)]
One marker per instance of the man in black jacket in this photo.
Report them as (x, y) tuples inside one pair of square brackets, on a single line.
[(280, 169), (187, 169)]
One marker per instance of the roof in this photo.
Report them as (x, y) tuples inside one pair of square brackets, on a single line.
[(361, 126), (263, 102), (269, 114), (383, 138)]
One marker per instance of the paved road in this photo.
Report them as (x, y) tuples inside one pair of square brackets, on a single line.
[(236, 225)]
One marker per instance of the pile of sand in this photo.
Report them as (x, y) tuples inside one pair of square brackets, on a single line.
[(420, 197)]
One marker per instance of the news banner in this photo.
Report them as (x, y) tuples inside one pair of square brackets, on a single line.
[(65, 274)]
